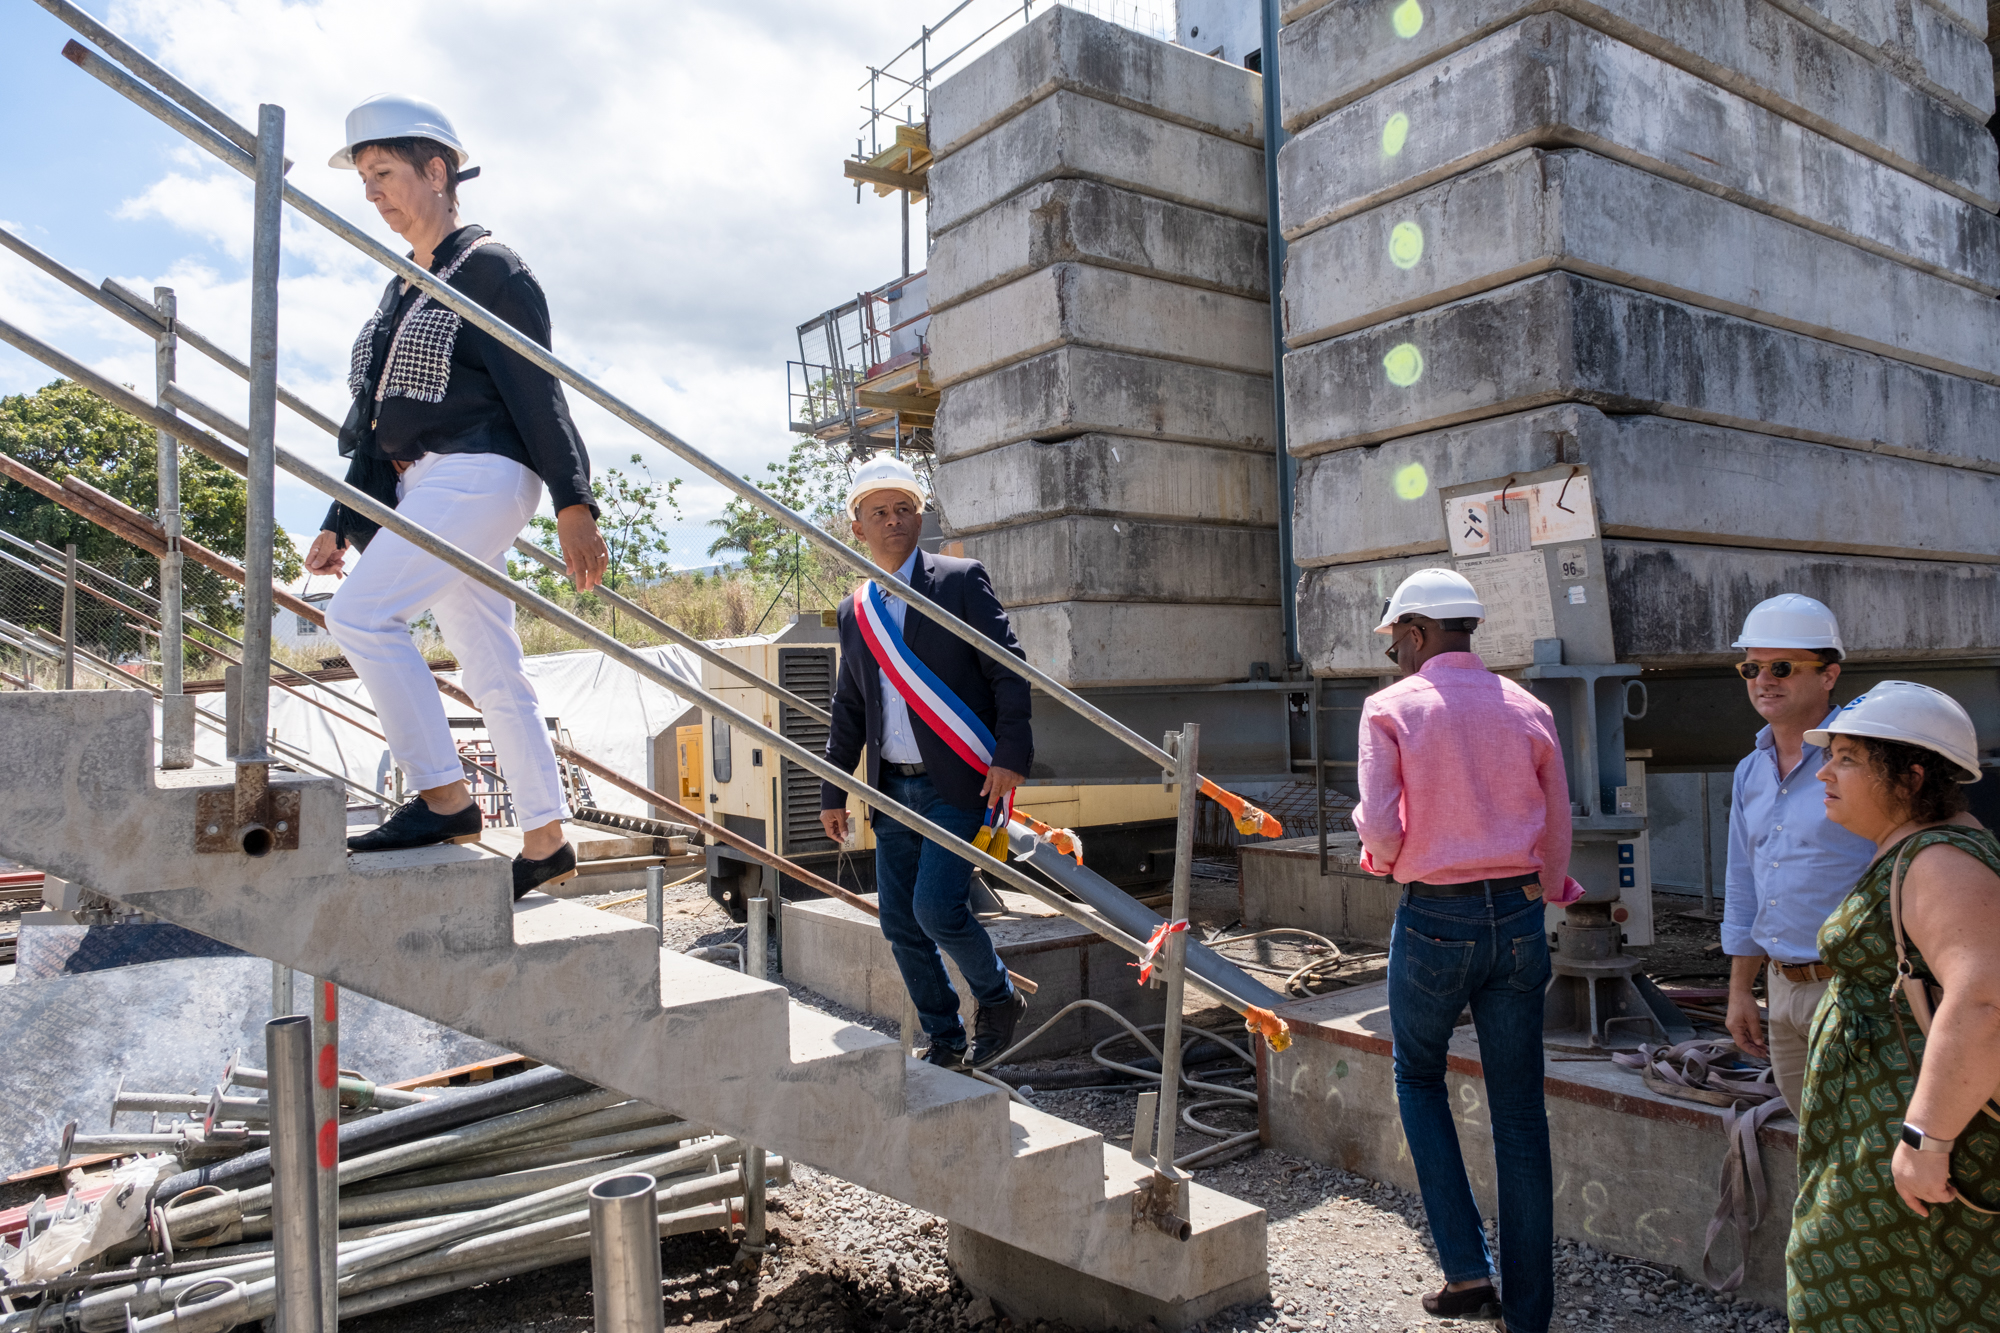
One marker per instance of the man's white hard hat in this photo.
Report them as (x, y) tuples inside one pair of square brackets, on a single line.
[(883, 472), (1790, 620), (395, 116), (1441, 594), (1902, 710)]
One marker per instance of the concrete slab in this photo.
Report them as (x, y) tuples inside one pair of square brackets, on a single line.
[(1075, 391), (1533, 211), (1655, 479), (1148, 643), (1097, 558), (1090, 222), (838, 950), (1099, 307), (1635, 1173), (1840, 65), (1069, 49), (1550, 81), (1029, 1289), (1562, 337), (1967, 14), (1676, 604), (1280, 885), (1068, 134), (1107, 474)]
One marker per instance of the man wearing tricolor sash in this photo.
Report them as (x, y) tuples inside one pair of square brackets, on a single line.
[(946, 733)]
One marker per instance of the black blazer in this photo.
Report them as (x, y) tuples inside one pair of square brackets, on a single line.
[(997, 695)]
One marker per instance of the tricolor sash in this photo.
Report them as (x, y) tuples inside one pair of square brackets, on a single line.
[(928, 697)]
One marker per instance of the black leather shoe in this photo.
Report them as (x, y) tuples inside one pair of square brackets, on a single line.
[(1481, 1302), (532, 875), (993, 1028), (414, 825), (945, 1056)]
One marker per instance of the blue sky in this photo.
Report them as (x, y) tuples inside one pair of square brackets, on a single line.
[(671, 173)]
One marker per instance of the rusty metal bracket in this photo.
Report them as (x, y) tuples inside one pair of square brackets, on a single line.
[(1157, 1202), (219, 828)]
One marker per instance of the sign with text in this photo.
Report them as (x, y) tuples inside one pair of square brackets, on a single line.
[(1515, 517)]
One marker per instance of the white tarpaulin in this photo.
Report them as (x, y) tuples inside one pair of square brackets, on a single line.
[(610, 712)]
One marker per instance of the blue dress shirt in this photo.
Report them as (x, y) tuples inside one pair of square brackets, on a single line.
[(899, 742), (1789, 865)]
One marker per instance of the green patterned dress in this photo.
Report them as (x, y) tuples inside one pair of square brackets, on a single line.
[(1860, 1261)]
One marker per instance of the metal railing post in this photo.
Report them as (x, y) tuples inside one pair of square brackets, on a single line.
[(756, 964), (326, 1140), (1187, 752), (1707, 856), (254, 707), (625, 1255), (288, 1058), (283, 1003), (176, 709), (69, 617), (656, 905)]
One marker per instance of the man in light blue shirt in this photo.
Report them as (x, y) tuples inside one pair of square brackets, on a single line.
[(1789, 865)]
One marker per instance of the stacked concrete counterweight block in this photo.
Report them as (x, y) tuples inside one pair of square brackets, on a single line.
[(1735, 261), (1101, 332)]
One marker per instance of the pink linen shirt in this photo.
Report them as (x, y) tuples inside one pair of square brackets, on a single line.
[(1461, 779)]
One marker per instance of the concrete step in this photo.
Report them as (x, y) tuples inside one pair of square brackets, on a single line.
[(1560, 337), (1675, 604), (1549, 81), (1069, 49), (1099, 307), (1854, 66), (1654, 478), (1069, 134), (1089, 222), (1086, 644), (1107, 474), (1534, 210), (1074, 391), (1100, 558), (591, 993)]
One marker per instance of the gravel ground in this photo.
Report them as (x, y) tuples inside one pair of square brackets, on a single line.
[(1346, 1253)]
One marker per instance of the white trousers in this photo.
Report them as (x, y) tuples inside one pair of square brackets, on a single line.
[(479, 503)]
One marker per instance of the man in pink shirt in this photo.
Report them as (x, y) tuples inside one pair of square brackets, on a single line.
[(1465, 804)]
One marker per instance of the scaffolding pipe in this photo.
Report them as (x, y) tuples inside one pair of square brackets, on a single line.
[(1186, 753), (326, 1138), (177, 717), (260, 520), (625, 1255), (294, 1189)]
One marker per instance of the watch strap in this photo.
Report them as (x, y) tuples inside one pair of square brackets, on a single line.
[(1922, 1142)]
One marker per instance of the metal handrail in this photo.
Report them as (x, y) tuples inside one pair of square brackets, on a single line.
[(513, 339)]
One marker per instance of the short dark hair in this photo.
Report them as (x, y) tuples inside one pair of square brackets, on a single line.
[(1936, 796), (1828, 656), (1455, 625), (418, 152)]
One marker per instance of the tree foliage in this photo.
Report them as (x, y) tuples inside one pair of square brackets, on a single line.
[(812, 481), (629, 510)]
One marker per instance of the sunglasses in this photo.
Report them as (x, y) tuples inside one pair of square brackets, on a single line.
[(1779, 669)]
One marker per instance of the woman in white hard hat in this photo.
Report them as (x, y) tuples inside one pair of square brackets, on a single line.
[(1894, 1090), (461, 435)]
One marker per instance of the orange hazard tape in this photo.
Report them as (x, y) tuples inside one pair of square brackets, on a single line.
[(1250, 821), (1273, 1029)]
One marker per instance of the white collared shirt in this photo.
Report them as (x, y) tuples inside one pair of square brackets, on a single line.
[(899, 737)]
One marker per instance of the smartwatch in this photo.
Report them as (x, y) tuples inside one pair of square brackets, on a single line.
[(1922, 1142)]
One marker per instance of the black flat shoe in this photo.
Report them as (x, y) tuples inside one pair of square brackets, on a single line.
[(993, 1028), (553, 869), (415, 825), (1481, 1302), (945, 1057)]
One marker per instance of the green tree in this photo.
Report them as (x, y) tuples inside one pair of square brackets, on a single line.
[(64, 430), (629, 509), (812, 481)]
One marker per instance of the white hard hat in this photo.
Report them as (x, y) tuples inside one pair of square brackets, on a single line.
[(394, 116), (1902, 710), (1790, 620), (1441, 594), (883, 472)]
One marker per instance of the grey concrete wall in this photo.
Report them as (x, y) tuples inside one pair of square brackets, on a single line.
[(1087, 644), (1562, 337), (1654, 478), (1533, 211), (1090, 222), (1099, 558), (1281, 887), (1550, 81), (1676, 604), (1079, 390), (1108, 475)]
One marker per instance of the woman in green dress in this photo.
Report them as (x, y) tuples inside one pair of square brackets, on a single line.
[(1896, 1162)]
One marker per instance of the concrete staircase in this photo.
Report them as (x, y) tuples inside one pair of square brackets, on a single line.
[(434, 932)]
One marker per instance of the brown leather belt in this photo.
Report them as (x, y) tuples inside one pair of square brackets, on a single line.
[(1803, 974)]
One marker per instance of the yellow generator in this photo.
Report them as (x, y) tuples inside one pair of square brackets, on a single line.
[(1127, 830)]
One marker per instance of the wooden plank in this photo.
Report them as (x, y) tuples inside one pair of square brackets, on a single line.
[(909, 404), (483, 1071), (917, 184), (913, 136)]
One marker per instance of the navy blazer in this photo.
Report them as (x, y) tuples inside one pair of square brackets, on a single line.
[(997, 695)]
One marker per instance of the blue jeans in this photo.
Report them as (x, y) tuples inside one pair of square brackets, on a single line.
[(1491, 953), (925, 894)]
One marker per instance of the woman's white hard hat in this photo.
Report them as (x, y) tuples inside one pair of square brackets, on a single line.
[(883, 472), (1441, 594), (1902, 710), (395, 116), (1790, 620)]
